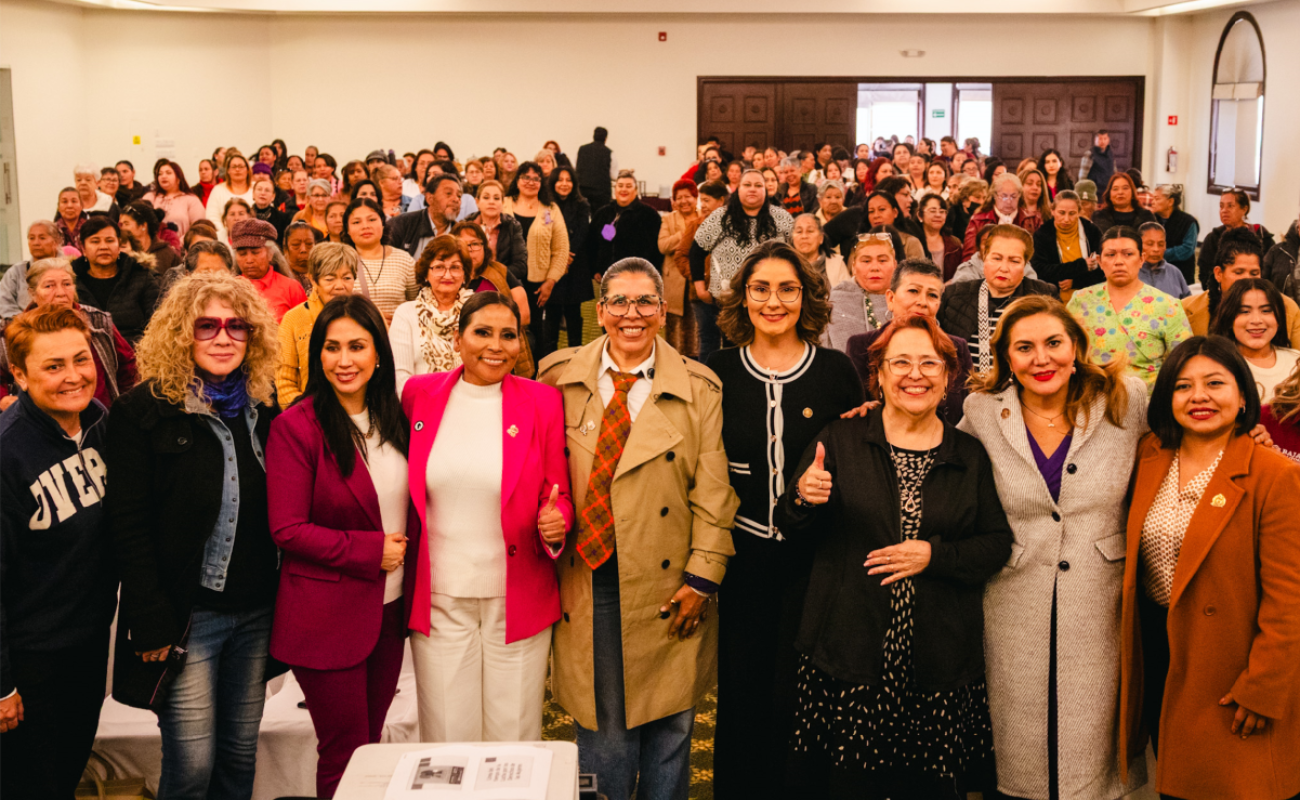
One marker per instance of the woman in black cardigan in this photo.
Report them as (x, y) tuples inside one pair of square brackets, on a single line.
[(777, 380), (575, 287), (891, 694), (188, 515), (1082, 271), (626, 228)]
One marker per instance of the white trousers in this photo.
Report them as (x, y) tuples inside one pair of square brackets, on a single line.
[(471, 685)]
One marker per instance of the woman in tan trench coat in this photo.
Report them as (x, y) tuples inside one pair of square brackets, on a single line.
[(1226, 722), (680, 328)]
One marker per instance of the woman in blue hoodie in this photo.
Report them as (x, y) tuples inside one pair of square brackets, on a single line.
[(57, 597)]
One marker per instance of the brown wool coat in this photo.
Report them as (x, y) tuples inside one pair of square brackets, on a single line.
[(673, 509), (1234, 626)]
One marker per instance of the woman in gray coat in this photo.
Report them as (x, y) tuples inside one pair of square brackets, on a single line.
[(1061, 433)]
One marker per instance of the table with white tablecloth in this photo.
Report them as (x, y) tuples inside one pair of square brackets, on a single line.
[(128, 738)]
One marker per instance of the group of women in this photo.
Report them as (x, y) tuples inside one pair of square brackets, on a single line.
[(1052, 533)]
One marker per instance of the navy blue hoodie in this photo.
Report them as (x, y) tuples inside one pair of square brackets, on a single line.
[(58, 586)]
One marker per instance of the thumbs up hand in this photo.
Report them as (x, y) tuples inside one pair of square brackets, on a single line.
[(550, 522), (815, 485)]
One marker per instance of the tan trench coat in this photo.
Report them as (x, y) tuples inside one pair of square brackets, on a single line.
[(670, 236), (673, 511)]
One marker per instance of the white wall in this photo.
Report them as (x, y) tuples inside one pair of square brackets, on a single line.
[(86, 81)]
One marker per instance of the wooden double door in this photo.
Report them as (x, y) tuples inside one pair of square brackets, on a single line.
[(1031, 117), (786, 114)]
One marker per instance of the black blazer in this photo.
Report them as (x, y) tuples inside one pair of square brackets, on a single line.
[(846, 612), (636, 233), (166, 492), (959, 309), (133, 300), (1047, 257)]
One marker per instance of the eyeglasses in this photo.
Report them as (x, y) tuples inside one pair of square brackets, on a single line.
[(902, 367), (474, 245), (761, 294), (1009, 197), (529, 179), (206, 328), (619, 305), (446, 269)]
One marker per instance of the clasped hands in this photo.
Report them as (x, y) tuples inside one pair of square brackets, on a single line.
[(897, 561)]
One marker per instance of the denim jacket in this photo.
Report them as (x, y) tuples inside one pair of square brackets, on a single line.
[(216, 553)]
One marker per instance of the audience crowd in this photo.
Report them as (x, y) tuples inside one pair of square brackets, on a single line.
[(949, 477)]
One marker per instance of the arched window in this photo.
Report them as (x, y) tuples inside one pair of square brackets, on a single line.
[(1237, 117)]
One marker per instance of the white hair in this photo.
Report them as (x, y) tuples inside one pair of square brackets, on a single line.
[(85, 168)]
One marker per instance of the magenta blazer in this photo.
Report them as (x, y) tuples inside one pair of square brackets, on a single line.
[(331, 600), (533, 462)]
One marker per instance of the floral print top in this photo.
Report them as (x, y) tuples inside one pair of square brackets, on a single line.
[(1151, 325)]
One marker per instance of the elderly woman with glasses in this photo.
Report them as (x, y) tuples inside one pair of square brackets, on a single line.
[(891, 697), (333, 271), (1005, 205), (318, 198), (423, 329), (192, 542)]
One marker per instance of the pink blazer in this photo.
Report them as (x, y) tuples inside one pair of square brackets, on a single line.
[(533, 461), (331, 599)]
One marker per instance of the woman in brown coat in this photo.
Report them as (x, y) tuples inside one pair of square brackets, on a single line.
[(1210, 636)]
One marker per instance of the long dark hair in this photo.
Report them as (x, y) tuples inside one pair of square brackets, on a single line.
[(1230, 308), (342, 438), (1063, 179), (574, 197), (735, 222), (543, 191)]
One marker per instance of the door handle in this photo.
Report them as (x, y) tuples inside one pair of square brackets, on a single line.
[(8, 187)]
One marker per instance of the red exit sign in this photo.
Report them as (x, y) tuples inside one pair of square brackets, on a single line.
[(1173, 119)]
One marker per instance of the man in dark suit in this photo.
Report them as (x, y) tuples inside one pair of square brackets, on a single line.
[(596, 170)]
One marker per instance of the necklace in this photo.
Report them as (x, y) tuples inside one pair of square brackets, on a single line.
[(872, 322), (1051, 421), (382, 261)]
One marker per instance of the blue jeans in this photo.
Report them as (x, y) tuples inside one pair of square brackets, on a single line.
[(213, 711), (706, 324), (659, 750)]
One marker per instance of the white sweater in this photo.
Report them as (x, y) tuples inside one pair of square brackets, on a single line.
[(463, 487), (217, 200), (388, 473)]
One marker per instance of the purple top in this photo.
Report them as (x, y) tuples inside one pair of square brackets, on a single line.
[(1051, 468)]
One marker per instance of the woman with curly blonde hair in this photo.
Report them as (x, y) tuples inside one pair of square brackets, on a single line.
[(189, 522)]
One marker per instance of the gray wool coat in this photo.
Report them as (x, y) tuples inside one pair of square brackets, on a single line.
[(1086, 530)]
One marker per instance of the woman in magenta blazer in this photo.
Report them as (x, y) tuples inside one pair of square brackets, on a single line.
[(341, 513), (490, 482)]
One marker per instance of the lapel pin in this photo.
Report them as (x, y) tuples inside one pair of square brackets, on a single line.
[(1006, 413), (513, 430), (1219, 501), (419, 426), (807, 413)]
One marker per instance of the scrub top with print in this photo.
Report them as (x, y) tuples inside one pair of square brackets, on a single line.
[(1149, 327)]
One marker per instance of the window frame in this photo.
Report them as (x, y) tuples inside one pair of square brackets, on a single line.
[(1211, 186)]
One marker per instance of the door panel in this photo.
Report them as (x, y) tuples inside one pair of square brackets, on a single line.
[(738, 113), (1029, 118)]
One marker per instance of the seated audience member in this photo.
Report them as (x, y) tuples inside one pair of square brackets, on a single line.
[(1005, 206), (208, 178), (318, 200), (58, 600), (1281, 417), (264, 205), (237, 209), (114, 281), (858, 305), (107, 183), (1211, 527), (1052, 163), (52, 284), (940, 248), (342, 610), (1280, 262), (1067, 248), (1032, 181), (389, 181), (43, 241), (423, 329), (238, 184), (679, 330), (1252, 316), (916, 289), (203, 255), (970, 195), (635, 389), (332, 270), (1156, 270), (775, 313), (296, 243), (1181, 229), (809, 241), (483, 632), (911, 668), (128, 189), (414, 229), (796, 194), (171, 195), (1238, 254), (1127, 318), (468, 205), (1119, 205), (1234, 208), (1087, 191), (385, 274), (86, 178), (142, 227), (334, 213), (297, 198), (830, 200), (971, 309), (252, 240), (190, 533), (69, 219)]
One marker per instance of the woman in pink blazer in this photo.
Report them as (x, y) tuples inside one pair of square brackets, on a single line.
[(341, 514), (489, 480)]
